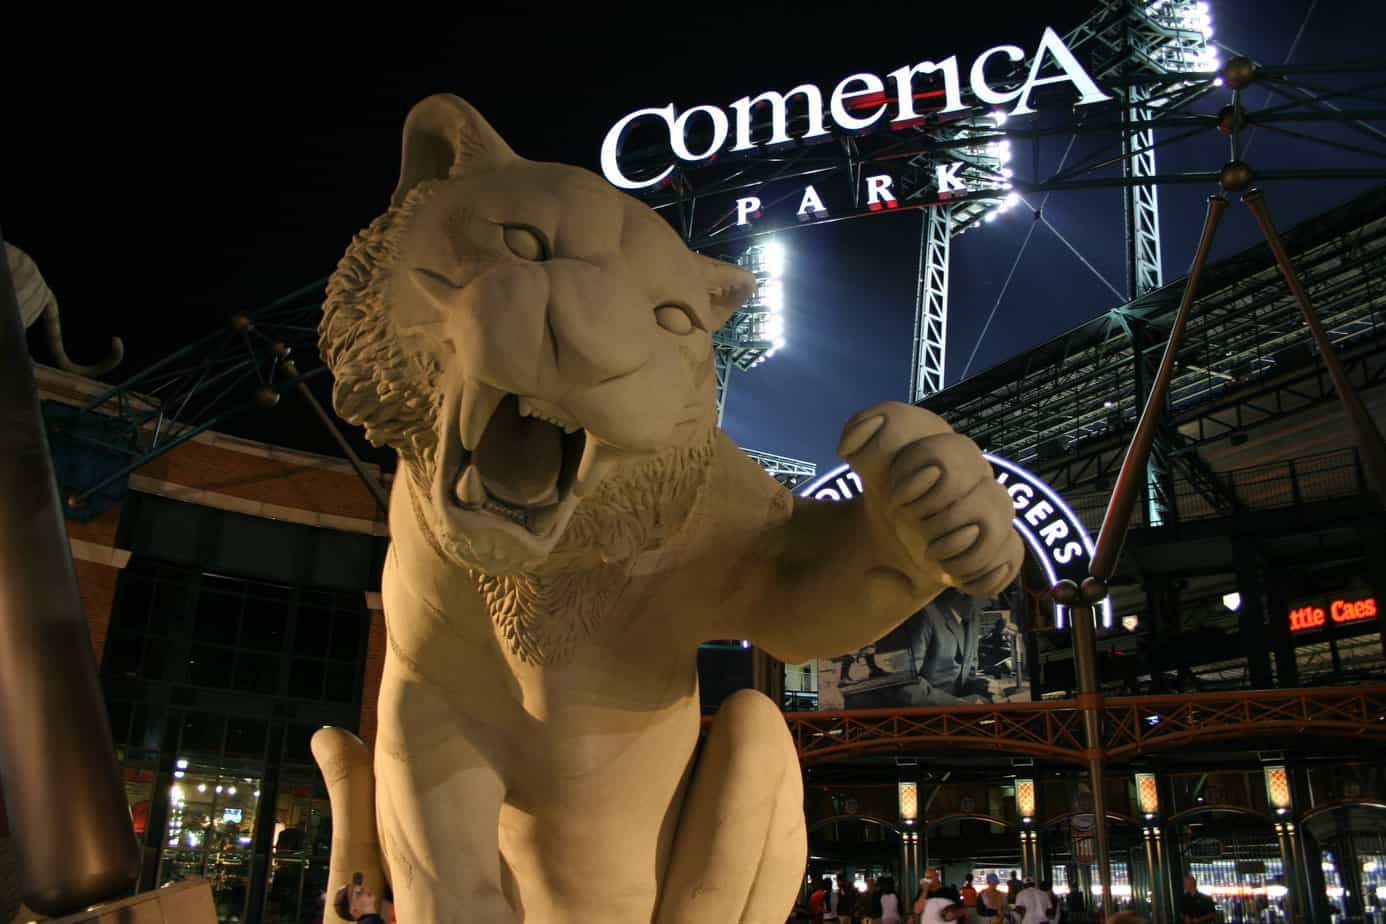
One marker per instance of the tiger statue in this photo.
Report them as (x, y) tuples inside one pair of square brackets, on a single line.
[(567, 525)]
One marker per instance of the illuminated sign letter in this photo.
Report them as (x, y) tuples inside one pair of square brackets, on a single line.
[(948, 176), (779, 115), (811, 206), (1072, 72), (745, 208), (878, 192), (904, 87), (679, 136), (980, 86), (870, 83), (611, 149), (1055, 535)]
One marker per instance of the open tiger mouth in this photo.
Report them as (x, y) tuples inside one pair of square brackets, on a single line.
[(518, 459)]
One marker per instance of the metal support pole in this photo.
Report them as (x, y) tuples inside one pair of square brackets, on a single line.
[(1152, 873), (931, 304), (1082, 598), (917, 864), (1364, 428), (1290, 868), (1090, 702), (1118, 515), (63, 790), (1163, 881), (373, 486), (1155, 862), (721, 371)]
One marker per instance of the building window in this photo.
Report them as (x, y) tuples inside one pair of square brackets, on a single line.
[(227, 633)]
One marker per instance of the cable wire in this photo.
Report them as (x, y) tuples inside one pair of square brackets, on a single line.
[(1081, 259), (1020, 253), (1000, 295), (1251, 135)]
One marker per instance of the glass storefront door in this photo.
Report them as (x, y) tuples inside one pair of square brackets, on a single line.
[(298, 865), (211, 827)]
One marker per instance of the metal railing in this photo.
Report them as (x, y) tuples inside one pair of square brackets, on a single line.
[(1131, 726), (1290, 483)]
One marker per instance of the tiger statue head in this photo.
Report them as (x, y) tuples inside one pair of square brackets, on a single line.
[(535, 344)]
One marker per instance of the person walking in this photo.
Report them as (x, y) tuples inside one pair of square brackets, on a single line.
[(1013, 887), (1056, 907), (1194, 906), (869, 905), (968, 893), (1033, 905), (928, 888), (991, 901), (890, 903)]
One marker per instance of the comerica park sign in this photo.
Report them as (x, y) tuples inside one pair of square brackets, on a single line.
[(858, 103), (1056, 537)]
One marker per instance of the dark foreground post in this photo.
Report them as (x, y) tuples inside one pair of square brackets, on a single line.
[(71, 825)]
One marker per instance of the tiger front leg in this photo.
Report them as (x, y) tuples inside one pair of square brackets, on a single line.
[(438, 804), (741, 845), (839, 576), (933, 507)]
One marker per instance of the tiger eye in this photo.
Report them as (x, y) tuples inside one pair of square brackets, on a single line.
[(525, 243), (675, 319)]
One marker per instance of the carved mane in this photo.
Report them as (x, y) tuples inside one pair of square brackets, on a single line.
[(389, 391), (378, 385)]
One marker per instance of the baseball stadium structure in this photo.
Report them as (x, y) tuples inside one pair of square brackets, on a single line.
[(230, 585)]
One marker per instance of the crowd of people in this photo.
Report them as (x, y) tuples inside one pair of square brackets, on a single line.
[(933, 902), (1015, 901)]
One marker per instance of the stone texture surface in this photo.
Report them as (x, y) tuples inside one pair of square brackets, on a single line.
[(567, 526)]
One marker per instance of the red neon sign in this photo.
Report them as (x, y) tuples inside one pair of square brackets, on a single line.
[(1339, 611)]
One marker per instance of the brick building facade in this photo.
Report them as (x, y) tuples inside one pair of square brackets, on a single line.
[(247, 510)]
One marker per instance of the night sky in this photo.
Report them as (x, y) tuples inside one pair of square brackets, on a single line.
[(164, 179)]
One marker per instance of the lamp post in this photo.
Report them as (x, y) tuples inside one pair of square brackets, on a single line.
[(907, 792), (1280, 800), (1025, 808), (1148, 799)]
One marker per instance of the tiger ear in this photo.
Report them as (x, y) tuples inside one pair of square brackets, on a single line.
[(728, 287), (444, 136)]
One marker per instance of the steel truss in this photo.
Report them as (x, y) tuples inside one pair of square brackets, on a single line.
[(244, 365), (931, 305), (789, 472), (1159, 69), (1066, 408), (1131, 726)]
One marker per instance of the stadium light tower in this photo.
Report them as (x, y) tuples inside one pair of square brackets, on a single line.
[(1123, 41), (757, 330), (752, 335)]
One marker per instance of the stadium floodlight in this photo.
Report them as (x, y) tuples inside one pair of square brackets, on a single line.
[(757, 331), (774, 259), (774, 294)]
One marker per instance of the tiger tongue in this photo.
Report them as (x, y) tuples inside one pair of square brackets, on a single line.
[(519, 458)]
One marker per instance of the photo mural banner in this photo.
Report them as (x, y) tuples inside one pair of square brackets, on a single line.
[(958, 649)]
